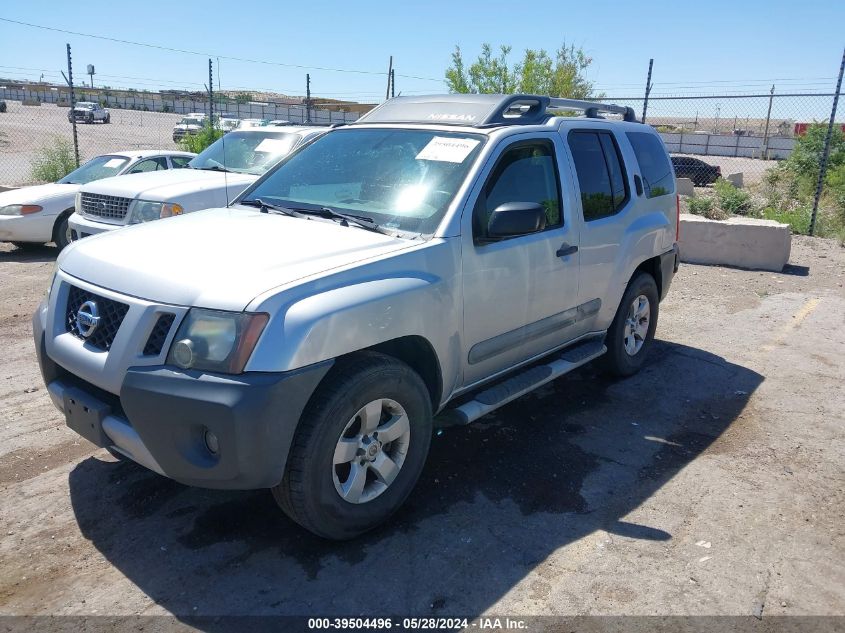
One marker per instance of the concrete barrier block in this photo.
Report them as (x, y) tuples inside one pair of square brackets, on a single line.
[(741, 242), (735, 179), (31, 102), (685, 187)]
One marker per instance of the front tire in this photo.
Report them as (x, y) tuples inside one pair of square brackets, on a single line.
[(359, 449), (630, 336), (61, 232)]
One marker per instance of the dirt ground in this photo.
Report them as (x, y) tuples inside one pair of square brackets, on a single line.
[(712, 483)]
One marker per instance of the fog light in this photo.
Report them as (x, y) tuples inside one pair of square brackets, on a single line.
[(183, 353), (211, 442)]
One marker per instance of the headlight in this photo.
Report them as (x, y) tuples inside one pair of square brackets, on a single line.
[(77, 203), (147, 210), (20, 209), (219, 341)]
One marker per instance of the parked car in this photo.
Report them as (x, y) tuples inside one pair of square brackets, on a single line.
[(89, 112), (246, 124), (214, 178), (227, 124), (697, 170), (190, 124), (444, 255), (31, 216)]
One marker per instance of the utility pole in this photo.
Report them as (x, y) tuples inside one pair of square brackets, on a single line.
[(392, 83), (389, 78), (647, 88), (308, 98), (765, 152), (826, 152), (69, 80)]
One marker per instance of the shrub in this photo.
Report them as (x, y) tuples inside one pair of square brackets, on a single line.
[(732, 200), (199, 141), (705, 207), (53, 160)]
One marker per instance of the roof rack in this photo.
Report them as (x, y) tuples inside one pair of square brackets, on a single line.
[(484, 110)]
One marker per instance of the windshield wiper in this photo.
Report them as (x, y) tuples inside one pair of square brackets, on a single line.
[(267, 207), (212, 168), (346, 219)]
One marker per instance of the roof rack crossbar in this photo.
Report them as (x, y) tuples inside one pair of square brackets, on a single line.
[(592, 108)]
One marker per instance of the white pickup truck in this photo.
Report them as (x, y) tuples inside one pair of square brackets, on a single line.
[(214, 178)]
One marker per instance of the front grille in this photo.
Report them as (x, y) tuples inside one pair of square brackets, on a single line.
[(111, 316), (155, 343), (112, 207)]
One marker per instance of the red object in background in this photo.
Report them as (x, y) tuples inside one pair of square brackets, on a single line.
[(801, 128)]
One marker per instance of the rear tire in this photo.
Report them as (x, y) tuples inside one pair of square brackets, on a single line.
[(341, 480), (629, 337)]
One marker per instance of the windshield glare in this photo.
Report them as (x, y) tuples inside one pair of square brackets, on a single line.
[(402, 179), (95, 169), (250, 152)]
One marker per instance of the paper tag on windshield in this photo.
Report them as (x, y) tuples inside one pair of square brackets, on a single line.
[(273, 146), (113, 163), (449, 150)]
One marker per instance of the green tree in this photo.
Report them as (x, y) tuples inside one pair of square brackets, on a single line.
[(202, 139), (558, 75), (805, 160)]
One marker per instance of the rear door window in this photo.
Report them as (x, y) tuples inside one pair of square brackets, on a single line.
[(654, 164), (601, 173)]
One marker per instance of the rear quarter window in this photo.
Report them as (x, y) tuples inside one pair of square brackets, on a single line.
[(654, 164)]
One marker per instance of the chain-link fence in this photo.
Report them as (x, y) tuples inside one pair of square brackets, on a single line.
[(768, 144), (36, 125)]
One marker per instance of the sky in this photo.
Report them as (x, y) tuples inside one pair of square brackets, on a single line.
[(702, 48)]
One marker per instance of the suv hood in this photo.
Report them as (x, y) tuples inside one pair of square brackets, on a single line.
[(167, 185), (219, 258)]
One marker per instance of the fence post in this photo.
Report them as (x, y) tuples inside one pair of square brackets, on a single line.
[(308, 98), (210, 95), (72, 104), (826, 151), (647, 88), (765, 152)]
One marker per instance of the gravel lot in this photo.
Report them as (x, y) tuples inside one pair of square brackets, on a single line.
[(711, 483)]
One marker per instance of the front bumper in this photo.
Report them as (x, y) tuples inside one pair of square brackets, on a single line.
[(161, 416), (37, 227), (81, 226)]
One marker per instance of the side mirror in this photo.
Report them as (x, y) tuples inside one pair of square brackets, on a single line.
[(516, 218)]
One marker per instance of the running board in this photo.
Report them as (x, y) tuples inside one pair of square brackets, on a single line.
[(523, 382)]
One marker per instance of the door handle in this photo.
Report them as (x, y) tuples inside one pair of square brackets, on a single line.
[(565, 249)]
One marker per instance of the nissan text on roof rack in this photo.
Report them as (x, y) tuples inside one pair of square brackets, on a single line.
[(32, 216), (423, 266), (214, 178)]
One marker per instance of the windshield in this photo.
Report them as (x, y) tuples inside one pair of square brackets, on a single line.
[(95, 169), (402, 179), (246, 152), (190, 121)]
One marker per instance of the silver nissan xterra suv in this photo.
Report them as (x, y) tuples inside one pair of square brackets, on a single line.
[(421, 267)]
